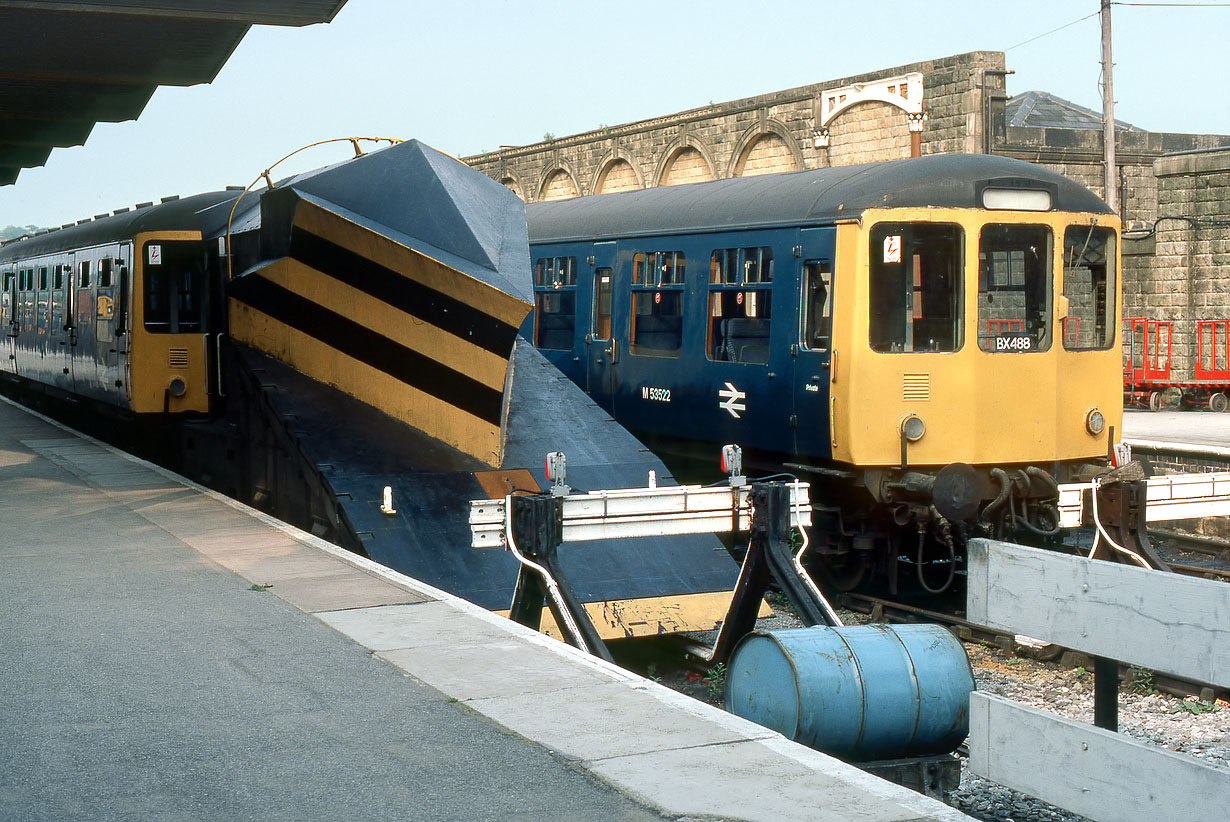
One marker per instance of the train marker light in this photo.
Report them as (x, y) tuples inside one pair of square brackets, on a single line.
[(177, 387), (557, 471), (732, 464), (1094, 422), (913, 428)]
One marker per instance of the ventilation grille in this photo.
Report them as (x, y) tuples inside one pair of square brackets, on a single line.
[(177, 358), (916, 387)]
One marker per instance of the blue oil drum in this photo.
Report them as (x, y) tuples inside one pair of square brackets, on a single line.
[(859, 692)]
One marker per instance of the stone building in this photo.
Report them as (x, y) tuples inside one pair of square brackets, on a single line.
[(1180, 270), (951, 104)]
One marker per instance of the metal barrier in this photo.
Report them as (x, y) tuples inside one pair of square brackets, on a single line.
[(534, 526), (1115, 613)]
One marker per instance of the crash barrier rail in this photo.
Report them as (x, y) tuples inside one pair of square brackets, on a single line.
[(533, 526), (1114, 613)]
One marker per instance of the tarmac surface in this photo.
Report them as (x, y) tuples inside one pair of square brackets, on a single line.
[(169, 654), (1205, 428)]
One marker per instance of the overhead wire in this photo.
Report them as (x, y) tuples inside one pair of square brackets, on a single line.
[(1052, 31), (1117, 3)]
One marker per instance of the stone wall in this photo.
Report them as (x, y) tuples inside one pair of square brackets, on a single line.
[(1188, 276), (1077, 154), (780, 131)]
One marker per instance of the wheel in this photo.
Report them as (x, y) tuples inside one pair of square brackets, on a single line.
[(1155, 401), (840, 572), (1218, 402)]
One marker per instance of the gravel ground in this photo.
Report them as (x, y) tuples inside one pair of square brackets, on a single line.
[(1144, 714)]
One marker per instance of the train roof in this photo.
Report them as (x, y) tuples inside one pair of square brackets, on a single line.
[(204, 212), (815, 196)]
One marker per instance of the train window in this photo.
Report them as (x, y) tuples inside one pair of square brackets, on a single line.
[(555, 272), (555, 302), (724, 266), (555, 318), (602, 304), (57, 275), (739, 311), (658, 268), (1089, 285), (670, 268), (817, 304), (757, 265), (104, 273), (915, 287), (83, 274), (42, 277), (172, 287), (1014, 288), (656, 325)]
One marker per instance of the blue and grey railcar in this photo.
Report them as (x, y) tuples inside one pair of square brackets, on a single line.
[(933, 341)]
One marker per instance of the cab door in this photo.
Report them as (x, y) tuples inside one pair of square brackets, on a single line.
[(812, 352), (607, 316), (61, 332), (9, 313)]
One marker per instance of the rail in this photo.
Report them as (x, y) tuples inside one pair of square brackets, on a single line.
[(1170, 497), (641, 512)]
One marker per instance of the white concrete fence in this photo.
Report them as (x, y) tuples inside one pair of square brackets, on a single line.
[(1172, 624)]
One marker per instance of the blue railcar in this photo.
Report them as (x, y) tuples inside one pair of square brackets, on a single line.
[(933, 341)]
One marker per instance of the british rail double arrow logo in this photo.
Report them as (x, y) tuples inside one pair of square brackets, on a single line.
[(732, 400)]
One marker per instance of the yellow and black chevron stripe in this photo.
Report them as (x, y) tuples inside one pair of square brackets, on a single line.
[(388, 325)]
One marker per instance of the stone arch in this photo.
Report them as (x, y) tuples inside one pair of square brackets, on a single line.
[(618, 171), (687, 161), (869, 132), (766, 150), (559, 183), (511, 182)]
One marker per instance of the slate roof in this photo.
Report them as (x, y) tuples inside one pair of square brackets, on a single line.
[(1038, 109)]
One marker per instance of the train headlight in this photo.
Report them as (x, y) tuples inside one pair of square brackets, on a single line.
[(177, 387), (1094, 421), (912, 428)]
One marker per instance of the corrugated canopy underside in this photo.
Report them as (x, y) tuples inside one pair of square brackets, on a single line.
[(68, 64)]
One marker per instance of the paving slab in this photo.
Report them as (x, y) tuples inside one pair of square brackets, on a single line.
[(591, 722)]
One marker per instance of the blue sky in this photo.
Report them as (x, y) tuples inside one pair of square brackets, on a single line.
[(470, 75)]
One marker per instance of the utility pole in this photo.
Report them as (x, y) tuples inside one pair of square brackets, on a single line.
[(1108, 116)]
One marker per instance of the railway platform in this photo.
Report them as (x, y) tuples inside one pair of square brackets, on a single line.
[(1202, 428), (170, 654)]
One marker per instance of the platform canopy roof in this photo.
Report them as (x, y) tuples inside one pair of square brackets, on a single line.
[(68, 64)]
